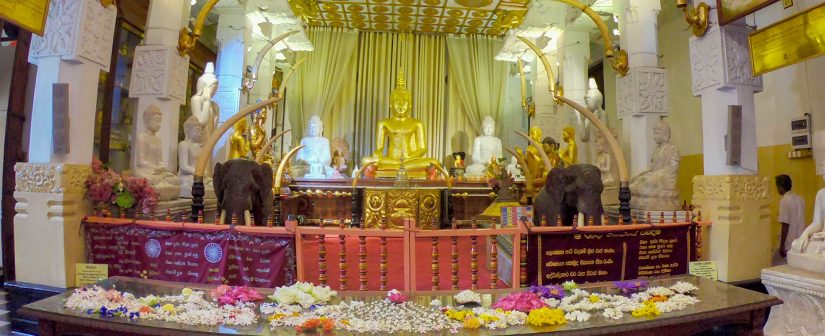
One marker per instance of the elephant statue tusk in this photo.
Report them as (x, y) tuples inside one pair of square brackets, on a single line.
[(446, 175), (539, 149), (289, 75), (282, 165), (268, 145), (251, 75), (619, 61), (206, 152), (547, 68)]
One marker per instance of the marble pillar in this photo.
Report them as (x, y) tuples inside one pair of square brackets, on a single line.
[(576, 42), (641, 95), (75, 47), (731, 196), (159, 75), (232, 33)]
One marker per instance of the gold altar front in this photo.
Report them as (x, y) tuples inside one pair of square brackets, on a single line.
[(423, 205)]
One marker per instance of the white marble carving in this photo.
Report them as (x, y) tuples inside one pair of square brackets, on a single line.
[(158, 72), (201, 105), (76, 30), (655, 187), (721, 58), (642, 91), (188, 152), (808, 251), (148, 157), (706, 61), (485, 148), (315, 154), (738, 60), (803, 296)]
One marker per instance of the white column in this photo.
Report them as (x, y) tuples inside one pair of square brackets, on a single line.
[(642, 94), (733, 198), (159, 74), (576, 49), (230, 67), (75, 47)]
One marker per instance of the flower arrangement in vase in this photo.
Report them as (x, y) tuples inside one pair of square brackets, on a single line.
[(499, 179), (106, 187)]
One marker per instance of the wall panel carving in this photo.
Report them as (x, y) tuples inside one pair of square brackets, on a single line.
[(50, 178), (730, 187), (642, 90), (77, 30)]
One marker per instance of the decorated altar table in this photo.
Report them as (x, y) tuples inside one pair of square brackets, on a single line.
[(742, 310)]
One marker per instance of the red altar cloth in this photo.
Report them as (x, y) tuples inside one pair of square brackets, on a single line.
[(194, 253)]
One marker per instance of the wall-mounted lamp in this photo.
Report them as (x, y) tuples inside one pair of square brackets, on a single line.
[(697, 18)]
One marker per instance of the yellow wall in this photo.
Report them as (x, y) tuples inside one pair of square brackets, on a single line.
[(773, 160)]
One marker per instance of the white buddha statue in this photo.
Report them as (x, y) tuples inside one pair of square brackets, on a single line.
[(593, 100), (514, 169), (610, 175), (188, 151), (315, 154), (148, 163), (807, 250), (655, 187), (485, 148), (201, 105)]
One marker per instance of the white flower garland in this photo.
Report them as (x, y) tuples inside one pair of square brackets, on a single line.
[(467, 296)]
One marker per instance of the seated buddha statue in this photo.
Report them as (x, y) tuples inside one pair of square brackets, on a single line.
[(148, 163), (401, 136), (238, 145), (655, 187), (485, 148)]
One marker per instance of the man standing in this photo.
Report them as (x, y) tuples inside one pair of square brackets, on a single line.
[(791, 217)]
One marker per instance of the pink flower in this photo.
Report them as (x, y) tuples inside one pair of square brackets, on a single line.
[(232, 295), (396, 297), (523, 302)]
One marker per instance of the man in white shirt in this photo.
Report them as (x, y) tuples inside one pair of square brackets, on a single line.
[(791, 217)]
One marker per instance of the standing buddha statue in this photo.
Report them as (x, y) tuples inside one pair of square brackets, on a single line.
[(238, 145), (401, 135), (257, 136), (569, 155)]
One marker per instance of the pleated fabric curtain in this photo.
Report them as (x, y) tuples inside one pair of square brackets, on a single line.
[(422, 58), (321, 85), (477, 87)]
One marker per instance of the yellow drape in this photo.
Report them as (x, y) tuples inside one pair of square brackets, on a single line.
[(477, 86), (321, 84), (423, 60)]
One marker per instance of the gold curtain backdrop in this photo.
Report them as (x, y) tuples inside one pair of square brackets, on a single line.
[(348, 79)]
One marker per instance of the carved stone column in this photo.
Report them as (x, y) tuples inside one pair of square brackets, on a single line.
[(739, 208), (159, 75), (47, 227), (803, 294), (641, 95), (75, 47)]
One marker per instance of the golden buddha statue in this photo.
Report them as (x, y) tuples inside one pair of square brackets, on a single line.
[(569, 155), (531, 156), (238, 145), (401, 135), (257, 135)]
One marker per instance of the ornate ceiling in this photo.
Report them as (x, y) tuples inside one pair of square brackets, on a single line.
[(491, 17)]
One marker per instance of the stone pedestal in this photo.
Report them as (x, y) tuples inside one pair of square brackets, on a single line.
[(47, 227), (739, 208), (803, 294)]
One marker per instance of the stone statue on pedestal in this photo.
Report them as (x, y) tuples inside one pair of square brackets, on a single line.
[(610, 175), (811, 243), (340, 158), (201, 105), (485, 148), (655, 187), (315, 153), (188, 151), (148, 157)]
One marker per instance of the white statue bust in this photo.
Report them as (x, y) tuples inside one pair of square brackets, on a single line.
[(514, 169), (188, 151), (148, 157), (485, 148), (593, 100), (201, 105), (655, 187), (811, 242), (315, 153), (604, 161)]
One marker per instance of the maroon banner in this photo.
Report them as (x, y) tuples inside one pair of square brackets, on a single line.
[(208, 257), (585, 257)]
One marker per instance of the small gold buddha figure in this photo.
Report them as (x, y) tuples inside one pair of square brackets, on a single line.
[(401, 135), (569, 155), (238, 145), (531, 156), (257, 136)]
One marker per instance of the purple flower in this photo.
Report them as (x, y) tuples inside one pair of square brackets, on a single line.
[(631, 286), (550, 291)]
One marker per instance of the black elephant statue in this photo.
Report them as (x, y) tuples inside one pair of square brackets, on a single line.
[(568, 191), (243, 187)]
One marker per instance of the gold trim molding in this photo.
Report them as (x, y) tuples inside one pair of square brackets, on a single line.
[(50, 178), (730, 188)]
